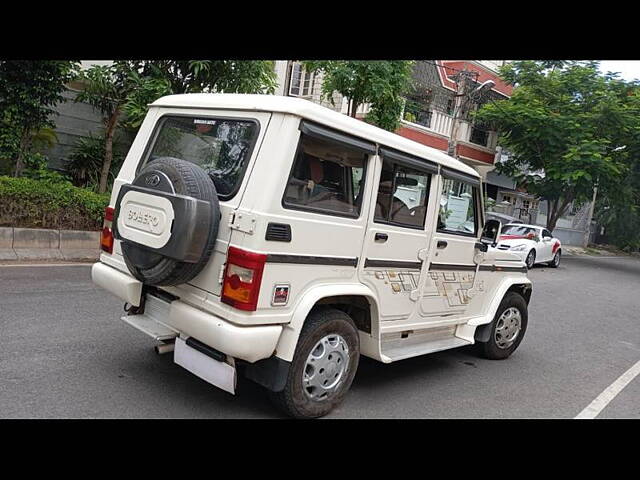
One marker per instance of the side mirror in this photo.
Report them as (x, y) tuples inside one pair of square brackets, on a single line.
[(490, 232)]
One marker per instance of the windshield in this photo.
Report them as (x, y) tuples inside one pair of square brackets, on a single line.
[(518, 230), (219, 146)]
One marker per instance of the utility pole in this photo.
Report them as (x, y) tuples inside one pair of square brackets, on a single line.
[(587, 230), (460, 100)]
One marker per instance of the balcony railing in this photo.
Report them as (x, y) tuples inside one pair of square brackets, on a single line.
[(431, 120)]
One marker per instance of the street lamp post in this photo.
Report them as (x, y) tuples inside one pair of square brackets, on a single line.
[(462, 98)]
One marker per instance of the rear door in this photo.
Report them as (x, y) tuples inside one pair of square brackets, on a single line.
[(225, 144), (396, 240)]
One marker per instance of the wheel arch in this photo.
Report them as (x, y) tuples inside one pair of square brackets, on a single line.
[(354, 299), (522, 288)]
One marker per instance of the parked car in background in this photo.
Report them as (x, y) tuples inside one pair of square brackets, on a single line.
[(534, 244)]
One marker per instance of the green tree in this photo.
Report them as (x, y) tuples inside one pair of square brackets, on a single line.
[(107, 88), (382, 84), (29, 89), (122, 91), (562, 125), (155, 78), (618, 205)]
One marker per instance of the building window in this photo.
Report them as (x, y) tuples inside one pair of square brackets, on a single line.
[(301, 81), (509, 199), (417, 112), (479, 136)]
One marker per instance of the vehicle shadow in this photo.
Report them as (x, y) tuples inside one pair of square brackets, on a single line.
[(374, 374)]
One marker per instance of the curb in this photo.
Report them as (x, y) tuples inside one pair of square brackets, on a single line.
[(28, 244)]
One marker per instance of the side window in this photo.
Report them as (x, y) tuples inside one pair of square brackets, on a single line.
[(458, 207), (546, 233), (326, 177), (402, 196)]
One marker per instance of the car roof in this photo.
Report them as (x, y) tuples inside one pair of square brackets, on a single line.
[(314, 112)]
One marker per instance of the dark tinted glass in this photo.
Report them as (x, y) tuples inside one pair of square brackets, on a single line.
[(326, 177), (220, 146)]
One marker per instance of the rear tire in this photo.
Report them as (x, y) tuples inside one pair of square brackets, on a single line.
[(556, 260), (328, 353), (507, 328)]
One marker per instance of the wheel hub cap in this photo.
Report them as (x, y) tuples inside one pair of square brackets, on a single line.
[(508, 327), (325, 367)]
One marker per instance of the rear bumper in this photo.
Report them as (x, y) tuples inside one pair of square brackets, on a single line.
[(120, 284), (247, 343)]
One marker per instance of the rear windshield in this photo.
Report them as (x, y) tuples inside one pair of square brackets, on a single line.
[(518, 230), (220, 146)]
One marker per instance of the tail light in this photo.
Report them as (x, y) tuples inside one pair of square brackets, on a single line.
[(242, 278), (106, 237)]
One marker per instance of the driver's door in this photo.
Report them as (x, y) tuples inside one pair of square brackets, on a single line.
[(546, 240), (452, 270)]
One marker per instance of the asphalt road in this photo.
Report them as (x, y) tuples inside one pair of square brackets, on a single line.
[(65, 354)]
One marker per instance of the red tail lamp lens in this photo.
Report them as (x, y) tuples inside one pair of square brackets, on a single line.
[(242, 278)]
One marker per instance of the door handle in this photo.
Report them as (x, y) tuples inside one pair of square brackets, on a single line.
[(442, 244), (381, 237)]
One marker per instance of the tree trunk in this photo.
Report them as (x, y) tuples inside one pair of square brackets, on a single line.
[(557, 210), (108, 150), (354, 108), (24, 148)]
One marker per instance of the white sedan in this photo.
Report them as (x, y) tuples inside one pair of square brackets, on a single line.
[(534, 244)]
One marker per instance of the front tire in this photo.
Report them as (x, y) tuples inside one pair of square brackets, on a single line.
[(323, 366), (531, 259), (556, 260), (507, 328)]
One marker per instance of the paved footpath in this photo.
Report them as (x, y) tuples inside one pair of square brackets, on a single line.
[(65, 354)]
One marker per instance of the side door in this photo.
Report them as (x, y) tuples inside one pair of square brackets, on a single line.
[(546, 241), (450, 277), (396, 241)]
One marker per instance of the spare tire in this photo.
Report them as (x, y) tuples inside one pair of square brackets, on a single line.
[(174, 179)]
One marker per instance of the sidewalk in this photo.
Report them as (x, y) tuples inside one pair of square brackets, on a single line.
[(33, 244), (595, 251)]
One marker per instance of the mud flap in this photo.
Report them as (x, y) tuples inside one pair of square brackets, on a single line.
[(217, 373)]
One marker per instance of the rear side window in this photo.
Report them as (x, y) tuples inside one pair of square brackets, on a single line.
[(220, 146), (327, 177)]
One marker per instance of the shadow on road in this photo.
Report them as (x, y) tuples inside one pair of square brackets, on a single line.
[(630, 265)]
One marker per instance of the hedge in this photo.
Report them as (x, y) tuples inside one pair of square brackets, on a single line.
[(29, 203)]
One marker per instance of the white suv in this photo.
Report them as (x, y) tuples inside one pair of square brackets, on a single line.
[(272, 235)]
